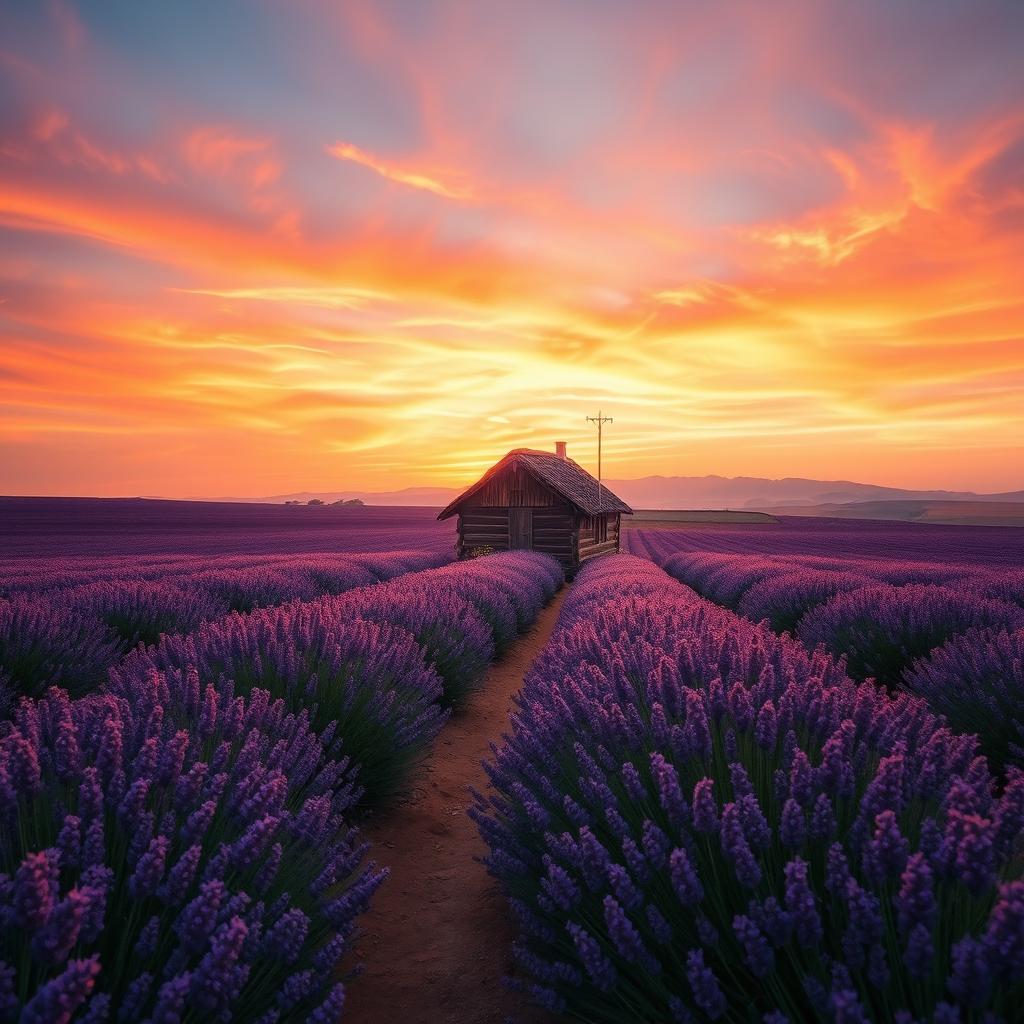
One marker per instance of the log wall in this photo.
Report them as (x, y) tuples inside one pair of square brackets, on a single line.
[(479, 527), (554, 533), (517, 488)]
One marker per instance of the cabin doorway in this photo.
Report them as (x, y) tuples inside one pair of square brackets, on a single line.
[(520, 528)]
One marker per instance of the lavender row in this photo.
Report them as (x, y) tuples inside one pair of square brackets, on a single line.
[(179, 847), (70, 637), (989, 546), (731, 579), (300, 575), (383, 664), (947, 632), (696, 818)]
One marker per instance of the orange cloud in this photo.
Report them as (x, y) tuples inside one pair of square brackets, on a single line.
[(414, 179), (217, 150), (765, 262)]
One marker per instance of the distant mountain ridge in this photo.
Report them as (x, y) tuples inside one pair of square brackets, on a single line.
[(693, 492)]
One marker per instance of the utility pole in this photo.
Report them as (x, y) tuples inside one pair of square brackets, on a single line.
[(600, 420)]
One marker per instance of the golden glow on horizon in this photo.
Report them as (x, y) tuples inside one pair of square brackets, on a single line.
[(225, 300)]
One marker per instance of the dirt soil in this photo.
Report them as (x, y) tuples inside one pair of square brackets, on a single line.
[(437, 939)]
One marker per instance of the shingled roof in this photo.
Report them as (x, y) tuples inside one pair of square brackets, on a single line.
[(566, 477)]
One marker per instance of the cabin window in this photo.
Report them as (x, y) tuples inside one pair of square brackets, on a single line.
[(599, 528)]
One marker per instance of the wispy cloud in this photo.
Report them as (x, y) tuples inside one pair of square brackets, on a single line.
[(428, 182)]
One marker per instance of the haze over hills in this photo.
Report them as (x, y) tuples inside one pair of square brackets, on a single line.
[(696, 492)]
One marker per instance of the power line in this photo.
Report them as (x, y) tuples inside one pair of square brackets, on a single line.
[(600, 420)]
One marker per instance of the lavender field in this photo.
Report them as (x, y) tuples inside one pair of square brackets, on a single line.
[(770, 774), (697, 819)]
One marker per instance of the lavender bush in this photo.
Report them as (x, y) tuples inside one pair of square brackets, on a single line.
[(883, 630), (151, 873), (489, 599), (680, 843), (454, 637), (139, 611), (784, 599), (365, 680), (243, 590), (43, 644), (977, 681), (528, 578), (508, 589), (1005, 585), (332, 574), (722, 578), (386, 565)]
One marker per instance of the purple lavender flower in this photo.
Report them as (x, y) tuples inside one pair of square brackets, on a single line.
[(793, 826), (800, 902), (801, 779), (219, 976), (971, 977), (915, 901), (919, 954), (170, 999), (760, 958), (330, 1009), (670, 793), (35, 887), (766, 727), (599, 968), (560, 886), (685, 880), (885, 854), (625, 937), (707, 993), (52, 943), (150, 869), (656, 845), (864, 924), (736, 848), (56, 1001), (823, 819), (705, 811), (972, 839)]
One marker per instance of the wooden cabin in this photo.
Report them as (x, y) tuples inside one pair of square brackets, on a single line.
[(542, 501)]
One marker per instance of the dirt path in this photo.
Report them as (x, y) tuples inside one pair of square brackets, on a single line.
[(437, 939)]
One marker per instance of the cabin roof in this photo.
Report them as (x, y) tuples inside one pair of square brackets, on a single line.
[(566, 477)]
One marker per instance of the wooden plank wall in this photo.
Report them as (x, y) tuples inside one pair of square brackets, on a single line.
[(483, 527), (515, 487), (554, 533)]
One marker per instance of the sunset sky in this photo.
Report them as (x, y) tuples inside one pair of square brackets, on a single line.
[(251, 248)]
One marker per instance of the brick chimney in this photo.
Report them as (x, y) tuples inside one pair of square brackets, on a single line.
[(560, 450)]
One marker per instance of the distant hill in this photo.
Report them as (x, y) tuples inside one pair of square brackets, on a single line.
[(697, 492), (694, 492), (950, 513)]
